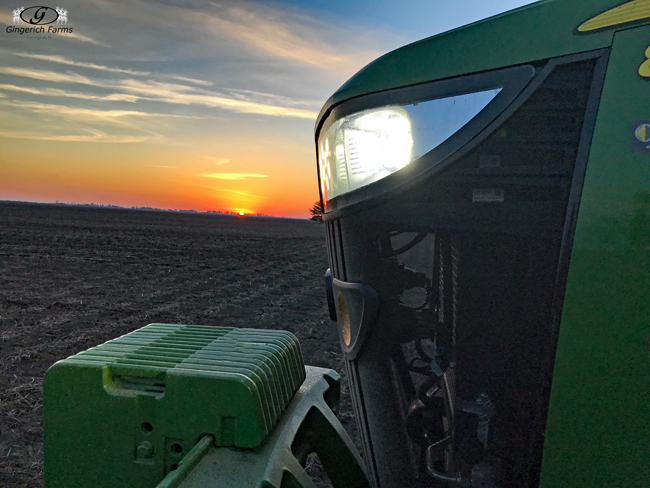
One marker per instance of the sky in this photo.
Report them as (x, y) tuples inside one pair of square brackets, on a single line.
[(204, 105)]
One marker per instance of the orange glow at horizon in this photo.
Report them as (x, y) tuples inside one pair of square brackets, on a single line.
[(160, 177)]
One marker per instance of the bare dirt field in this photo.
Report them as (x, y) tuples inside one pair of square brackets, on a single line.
[(75, 277)]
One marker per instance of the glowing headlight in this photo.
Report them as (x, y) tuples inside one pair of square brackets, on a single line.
[(364, 147)]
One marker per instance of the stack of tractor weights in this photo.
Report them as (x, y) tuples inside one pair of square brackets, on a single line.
[(126, 413)]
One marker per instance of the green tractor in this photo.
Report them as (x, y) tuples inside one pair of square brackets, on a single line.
[(486, 197)]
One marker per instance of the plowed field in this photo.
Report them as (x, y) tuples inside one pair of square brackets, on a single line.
[(75, 277)]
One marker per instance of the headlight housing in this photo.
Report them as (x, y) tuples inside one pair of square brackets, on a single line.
[(361, 148)]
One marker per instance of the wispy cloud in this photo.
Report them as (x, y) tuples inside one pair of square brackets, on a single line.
[(217, 161), (189, 80), (181, 94), (165, 92), (286, 35), (88, 114), (80, 37), (161, 166), (53, 76), (270, 98), (243, 194), (55, 92), (233, 176), (93, 136), (53, 58)]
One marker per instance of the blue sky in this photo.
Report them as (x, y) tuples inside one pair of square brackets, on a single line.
[(205, 105)]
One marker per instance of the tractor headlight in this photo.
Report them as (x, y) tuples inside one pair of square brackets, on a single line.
[(366, 146), (363, 148)]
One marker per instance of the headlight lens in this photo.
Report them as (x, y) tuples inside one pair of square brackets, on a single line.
[(364, 147)]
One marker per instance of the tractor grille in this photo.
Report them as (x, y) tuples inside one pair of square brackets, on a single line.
[(489, 237)]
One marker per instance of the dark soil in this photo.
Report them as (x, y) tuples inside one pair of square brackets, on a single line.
[(75, 277)]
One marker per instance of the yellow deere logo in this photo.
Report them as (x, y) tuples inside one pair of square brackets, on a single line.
[(642, 133), (633, 11), (644, 69)]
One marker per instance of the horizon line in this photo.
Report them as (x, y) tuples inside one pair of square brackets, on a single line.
[(152, 209)]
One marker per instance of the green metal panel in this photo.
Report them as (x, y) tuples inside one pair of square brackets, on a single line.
[(124, 413), (598, 430), (539, 31), (308, 425)]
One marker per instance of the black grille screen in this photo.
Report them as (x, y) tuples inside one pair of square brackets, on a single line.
[(466, 268)]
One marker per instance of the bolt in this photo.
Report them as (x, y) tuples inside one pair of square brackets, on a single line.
[(145, 450)]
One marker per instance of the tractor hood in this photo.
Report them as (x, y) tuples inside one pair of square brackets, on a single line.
[(542, 30)]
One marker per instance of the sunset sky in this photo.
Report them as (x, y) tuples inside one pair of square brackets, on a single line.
[(191, 105)]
